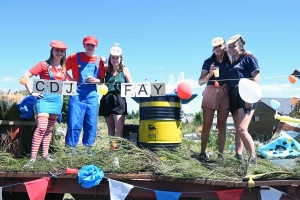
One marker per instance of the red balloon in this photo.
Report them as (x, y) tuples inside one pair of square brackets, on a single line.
[(292, 79), (294, 101), (217, 84), (184, 90)]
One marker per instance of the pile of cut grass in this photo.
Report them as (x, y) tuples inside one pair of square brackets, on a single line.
[(181, 163)]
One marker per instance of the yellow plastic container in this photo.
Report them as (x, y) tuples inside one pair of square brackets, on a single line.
[(160, 122)]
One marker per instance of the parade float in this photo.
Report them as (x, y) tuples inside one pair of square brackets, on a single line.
[(117, 168)]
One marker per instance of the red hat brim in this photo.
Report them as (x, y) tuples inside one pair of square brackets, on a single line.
[(58, 44)]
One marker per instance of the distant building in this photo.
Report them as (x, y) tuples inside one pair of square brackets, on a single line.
[(229, 123), (263, 121)]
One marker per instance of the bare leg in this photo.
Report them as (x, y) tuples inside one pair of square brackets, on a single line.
[(119, 124), (222, 119), (242, 121), (238, 141), (208, 116), (110, 125)]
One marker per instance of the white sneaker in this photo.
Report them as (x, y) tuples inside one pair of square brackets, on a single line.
[(48, 158), (30, 163)]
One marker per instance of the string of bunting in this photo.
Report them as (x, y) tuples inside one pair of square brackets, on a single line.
[(233, 79), (90, 176), (291, 78)]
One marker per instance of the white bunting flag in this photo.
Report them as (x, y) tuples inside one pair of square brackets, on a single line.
[(270, 194), (1, 193), (118, 190)]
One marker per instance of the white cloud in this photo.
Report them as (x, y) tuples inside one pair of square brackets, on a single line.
[(192, 83), (8, 79), (280, 90)]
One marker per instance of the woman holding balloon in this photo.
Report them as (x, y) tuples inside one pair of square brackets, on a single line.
[(215, 96), (241, 110), (112, 106)]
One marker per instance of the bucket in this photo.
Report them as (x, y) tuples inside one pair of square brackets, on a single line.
[(130, 132), (160, 122)]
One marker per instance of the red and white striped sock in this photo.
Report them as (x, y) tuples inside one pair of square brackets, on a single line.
[(42, 123), (47, 137)]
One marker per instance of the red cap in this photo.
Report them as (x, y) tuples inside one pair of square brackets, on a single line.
[(90, 40), (58, 44)]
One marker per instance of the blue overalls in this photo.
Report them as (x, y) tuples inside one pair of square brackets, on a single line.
[(51, 103), (83, 107)]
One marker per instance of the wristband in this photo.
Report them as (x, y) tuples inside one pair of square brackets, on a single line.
[(30, 93)]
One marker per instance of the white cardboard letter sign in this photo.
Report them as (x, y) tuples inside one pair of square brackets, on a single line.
[(158, 89), (69, 88), (44, 86), (142, 89), (40, 86), (127, 90)]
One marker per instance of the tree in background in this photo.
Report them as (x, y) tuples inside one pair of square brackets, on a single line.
[(65, 108), (198, 118), (133, 115)]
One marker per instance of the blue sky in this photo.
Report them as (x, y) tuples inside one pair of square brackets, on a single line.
[(158, 37)]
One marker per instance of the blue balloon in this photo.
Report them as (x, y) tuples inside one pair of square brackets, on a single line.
[(275, 104)]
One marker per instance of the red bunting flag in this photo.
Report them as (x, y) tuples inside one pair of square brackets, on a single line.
[(230, 194), (37, 189), (71, 171)]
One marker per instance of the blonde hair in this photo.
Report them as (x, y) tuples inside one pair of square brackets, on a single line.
[(62, 61), (111, 67)]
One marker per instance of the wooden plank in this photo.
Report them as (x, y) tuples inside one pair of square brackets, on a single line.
[(24, 123), (149, 177), (143, 189)]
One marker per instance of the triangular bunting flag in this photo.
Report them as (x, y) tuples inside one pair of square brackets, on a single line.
[(270, 194), (37, 189), (230, 194), (118, 190), (164, 195), (1, 193), (71, 171)]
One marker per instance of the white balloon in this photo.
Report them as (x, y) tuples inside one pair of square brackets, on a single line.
[(249, 90)]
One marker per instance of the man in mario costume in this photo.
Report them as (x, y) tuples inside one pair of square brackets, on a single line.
[(83, 107)]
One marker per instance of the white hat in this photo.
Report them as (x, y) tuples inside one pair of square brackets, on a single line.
[(234, 39), (116, 50), (217, 41)]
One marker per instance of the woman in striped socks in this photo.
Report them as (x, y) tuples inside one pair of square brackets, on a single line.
[(48, 106)]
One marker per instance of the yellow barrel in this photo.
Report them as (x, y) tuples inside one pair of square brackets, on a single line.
[(160, 122)]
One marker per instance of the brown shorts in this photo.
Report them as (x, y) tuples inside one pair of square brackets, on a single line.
[(215, 98)]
